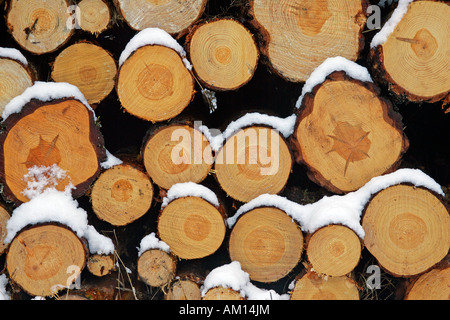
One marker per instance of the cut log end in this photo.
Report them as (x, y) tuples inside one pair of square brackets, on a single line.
[(254, 161), (346, 134), (192, 227), (433, 285), (4, 217), (220, 293), (407, 230), (333, 250), (177, 154), (100, 265), (313, 287), (44, 134), (40, 26), (173, 16), (223, 54), (45, 259), (87, 66), (95, 16), (156, 267), (308, 32), (183, 289), (153, 84), (121, 195), (267, 243), (417, 46)]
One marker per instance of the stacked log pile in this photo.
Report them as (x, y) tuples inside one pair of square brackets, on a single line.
[(149, 147)]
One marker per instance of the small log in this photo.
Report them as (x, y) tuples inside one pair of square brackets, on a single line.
[(297, 36), (61, 132), (413, 61), (407, 229), (183, 289), (40, 26), (311, 286), (192, 227), (4, 217), (333, 250), (89, 67), (121, 194), (95, 16), (346, 134), (267, 243), (254, 161), (156, 267), (15, 77), (154, 84), (44, 259), (176, 153), (433, 285), (100, 265), (170, 15), (223, 54), (220, 293)]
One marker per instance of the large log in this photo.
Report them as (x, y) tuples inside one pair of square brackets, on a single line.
[(40, 26), (407, 229), (43, 134), (267, 243), (412, 60), (347, 133), (223, 54), (297, 36), (44, 259)]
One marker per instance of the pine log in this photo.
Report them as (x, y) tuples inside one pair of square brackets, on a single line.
[(433, 285), (220, 293), (223, 54), (254, 161), (4, 217), (192, 227), (100, 264), (297, 36), (46, 258), (95, 16), (173, 16), (89, 67), (333, 250), (267, 243), (413, 62), (156, 267), (407, 229), (183, 289), (122, 194), (153, 83), (14, 79), (311, 286), (346, 134), (40, 26), (176, 153), (60, 132)]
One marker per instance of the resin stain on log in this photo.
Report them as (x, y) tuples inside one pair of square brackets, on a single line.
[(44, 154)]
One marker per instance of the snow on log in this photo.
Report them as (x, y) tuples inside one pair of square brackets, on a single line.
[(48, 125), (154, 80), (346, 132), (410, 53), (223, 53), (297, 36)]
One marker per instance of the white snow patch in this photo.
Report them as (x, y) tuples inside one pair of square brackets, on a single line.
[(153, 36), (284, 126), (4, 294), (56, 206), (190, 189), (152, 242), (338, 209), (110, 161), (45, 91), (390, 25), (232, 276), (13, 54), (330, 65), (40, 178)]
